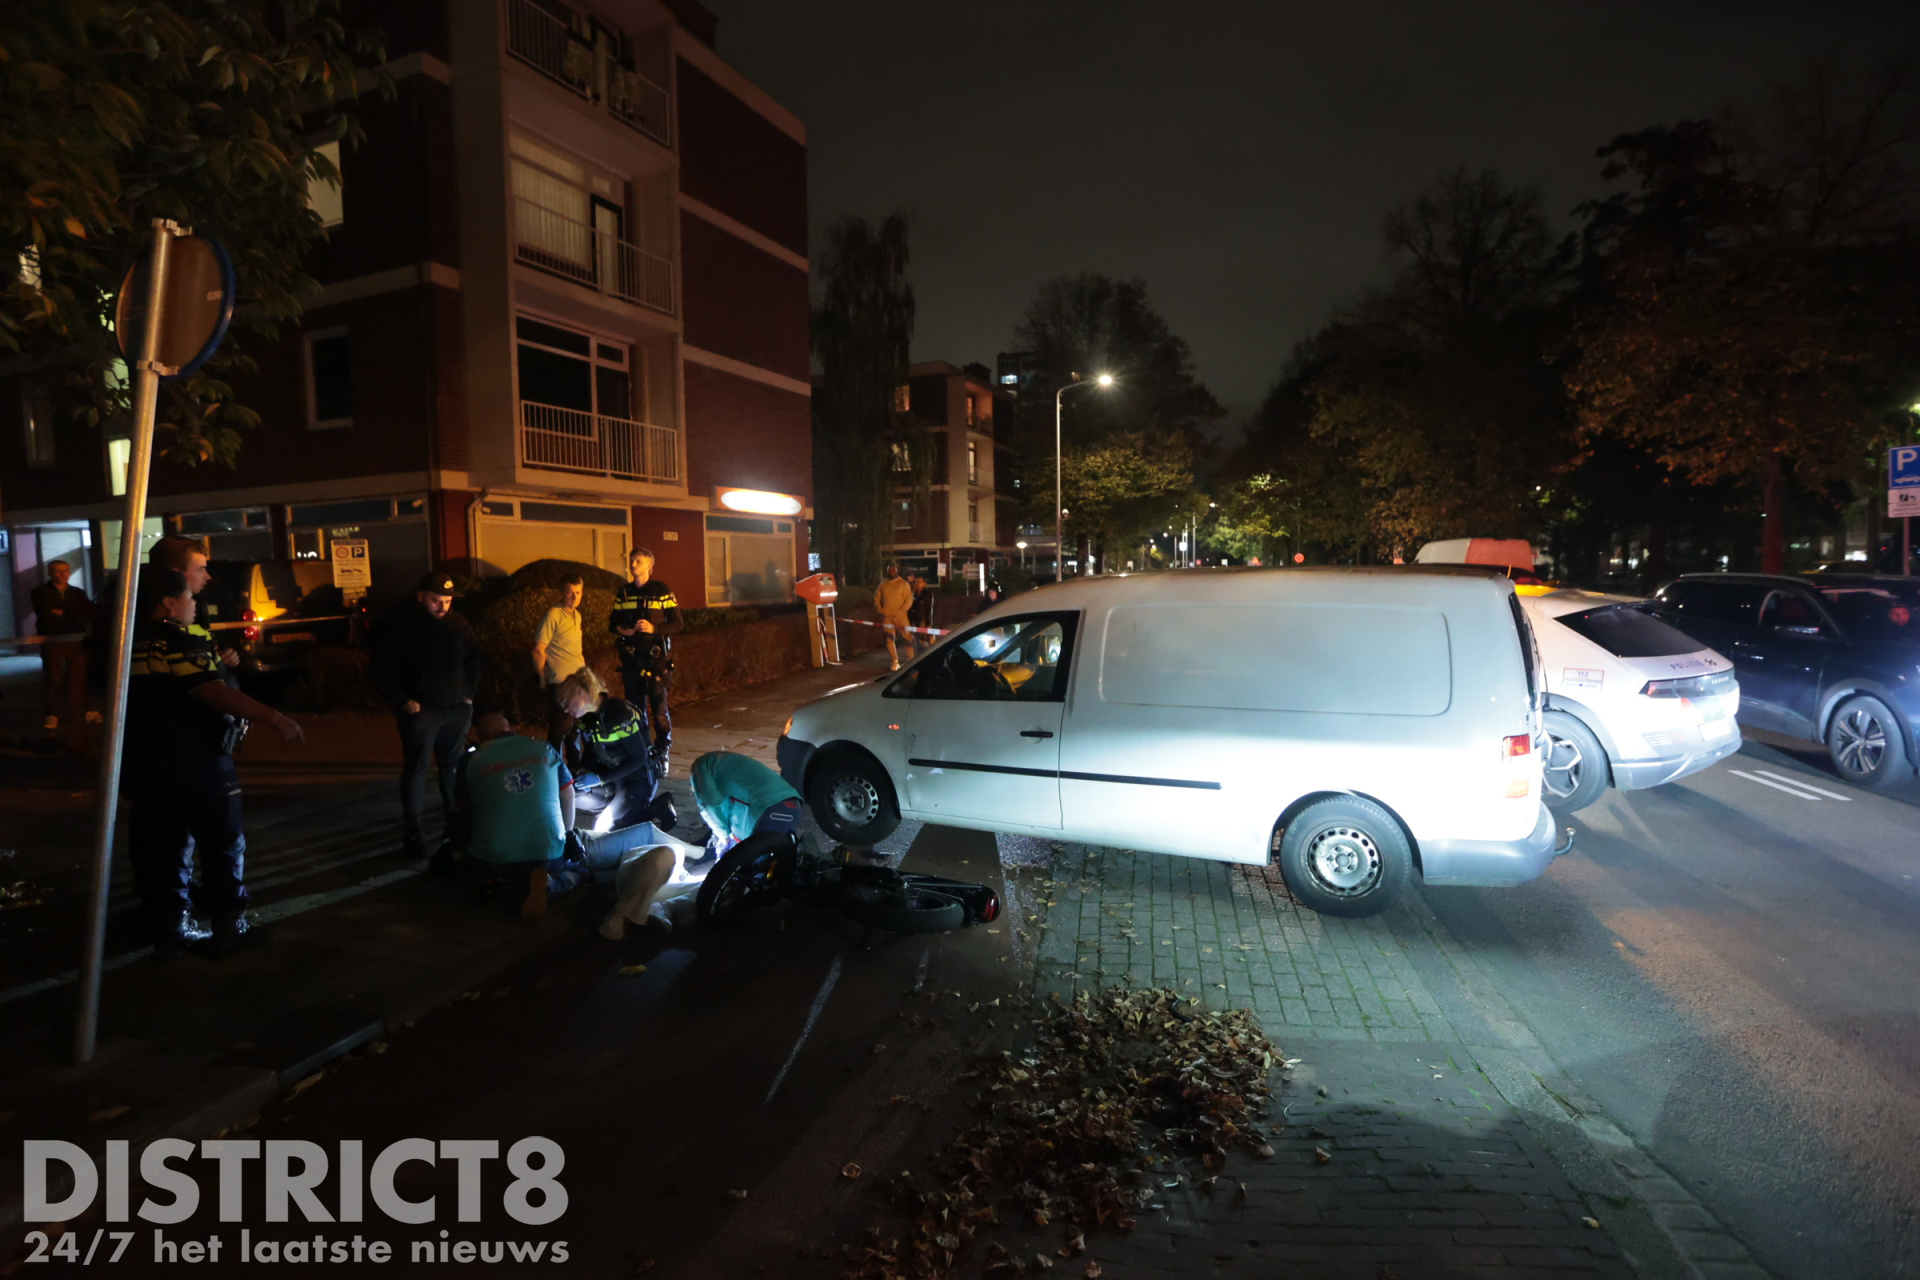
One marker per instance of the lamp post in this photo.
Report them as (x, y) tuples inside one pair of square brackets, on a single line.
[(1059, 503)]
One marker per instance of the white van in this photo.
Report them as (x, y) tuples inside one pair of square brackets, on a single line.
[(1363, 723)]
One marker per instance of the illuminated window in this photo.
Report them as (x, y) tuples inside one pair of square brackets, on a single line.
[(902, 456), (325, 197), (902, 398), (119, 455), (903, 515), (973, 458), (970, 411)]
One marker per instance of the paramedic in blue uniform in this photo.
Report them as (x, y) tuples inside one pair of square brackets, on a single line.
[(183, 722)]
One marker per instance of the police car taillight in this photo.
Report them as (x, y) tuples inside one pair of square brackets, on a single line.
[(249, 616)]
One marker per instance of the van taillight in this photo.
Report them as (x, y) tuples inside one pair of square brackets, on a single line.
[(1520, 744)]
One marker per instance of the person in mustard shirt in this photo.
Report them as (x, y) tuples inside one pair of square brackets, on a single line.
[(894, 600)]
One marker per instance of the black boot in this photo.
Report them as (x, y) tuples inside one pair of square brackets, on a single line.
[(661, 764), (234, 932), (176, 934)]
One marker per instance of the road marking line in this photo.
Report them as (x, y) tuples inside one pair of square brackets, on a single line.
[(1808, 785), (920, 980), (813, 1016), (1795, 792)]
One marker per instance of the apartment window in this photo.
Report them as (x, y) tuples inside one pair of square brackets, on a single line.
[(329, 379), (902, 398), (973, 454), (325, 197), (36, 417), (970, 411), (119, 456), (573, 371), (973, 511), (903, 515), (902, 456)]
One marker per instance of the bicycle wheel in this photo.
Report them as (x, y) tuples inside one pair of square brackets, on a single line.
[(900, 910), (753, 874)]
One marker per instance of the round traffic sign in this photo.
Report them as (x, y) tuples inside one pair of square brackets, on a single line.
[(199, 306)]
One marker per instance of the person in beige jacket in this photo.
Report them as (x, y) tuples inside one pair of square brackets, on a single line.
[(894, 600)]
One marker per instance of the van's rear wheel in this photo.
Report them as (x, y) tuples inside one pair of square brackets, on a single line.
[(1345, 856)]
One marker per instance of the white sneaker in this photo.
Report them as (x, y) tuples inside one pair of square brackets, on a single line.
[(614, 927), (658, 915), (896, 667)]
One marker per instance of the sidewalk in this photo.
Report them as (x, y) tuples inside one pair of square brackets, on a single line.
[(364, 945), (1452, 1145)]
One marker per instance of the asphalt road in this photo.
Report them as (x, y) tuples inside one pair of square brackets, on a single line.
[(1728, 964), (761, 1060)]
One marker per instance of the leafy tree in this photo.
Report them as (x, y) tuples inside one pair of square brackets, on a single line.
[(1433, 391), (1752, 309), (1148, 430), (862, 333), (208, 112)]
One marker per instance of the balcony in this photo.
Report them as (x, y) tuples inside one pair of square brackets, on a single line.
[(593, 444), (552, 242), (553, 48), (973, 532)]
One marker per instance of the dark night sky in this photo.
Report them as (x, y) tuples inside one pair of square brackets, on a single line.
[(1237, 156)]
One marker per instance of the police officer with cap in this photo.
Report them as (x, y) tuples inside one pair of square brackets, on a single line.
[(183, 722), (426, 661)]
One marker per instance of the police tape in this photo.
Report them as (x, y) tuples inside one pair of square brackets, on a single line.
[(919, 631), (29, 642)]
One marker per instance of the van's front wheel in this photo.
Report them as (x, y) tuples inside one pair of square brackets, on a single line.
[(1345, 856)]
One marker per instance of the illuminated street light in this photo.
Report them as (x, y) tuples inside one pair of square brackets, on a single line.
[(1059, 502)]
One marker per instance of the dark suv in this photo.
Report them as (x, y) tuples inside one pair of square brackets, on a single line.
[(1829, 657)]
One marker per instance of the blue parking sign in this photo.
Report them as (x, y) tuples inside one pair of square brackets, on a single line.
[(1903, 466)]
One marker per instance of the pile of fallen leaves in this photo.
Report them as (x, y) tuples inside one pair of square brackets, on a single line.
[(1071, 1125)]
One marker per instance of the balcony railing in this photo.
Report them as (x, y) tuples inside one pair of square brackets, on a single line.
[(549, 46), (551, 241), (593, 444)]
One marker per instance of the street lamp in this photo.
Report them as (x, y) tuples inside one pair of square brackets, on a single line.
[(1023, 553), (1059, 504)]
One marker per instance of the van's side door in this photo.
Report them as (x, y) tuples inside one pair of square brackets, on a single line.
[(983, 723)]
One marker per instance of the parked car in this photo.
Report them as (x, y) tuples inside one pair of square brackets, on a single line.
[(1631, 701), (1830, 658), (1362, 724), (251, 592)]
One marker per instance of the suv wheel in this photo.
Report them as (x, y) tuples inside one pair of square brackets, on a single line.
[(1865, 744), (1345, 856), (852, 798), (1576, 769)]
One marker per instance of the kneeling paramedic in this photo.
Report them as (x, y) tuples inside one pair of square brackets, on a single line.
[(519, 814), (183, 723), (739, 797)]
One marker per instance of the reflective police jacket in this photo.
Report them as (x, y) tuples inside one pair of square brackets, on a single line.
[(613, 743), (167, 728), (655, 602)]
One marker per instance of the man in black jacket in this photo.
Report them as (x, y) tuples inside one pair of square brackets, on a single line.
[(426, 661)]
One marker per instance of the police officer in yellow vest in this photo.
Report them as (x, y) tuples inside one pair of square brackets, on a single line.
[(609, 752), (183, 723)]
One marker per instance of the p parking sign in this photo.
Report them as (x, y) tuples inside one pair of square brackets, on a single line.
[(1903, 466)]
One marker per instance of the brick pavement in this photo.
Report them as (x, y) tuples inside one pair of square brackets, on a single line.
[(1454, 1147)]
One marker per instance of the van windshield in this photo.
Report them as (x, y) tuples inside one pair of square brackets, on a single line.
[(1625, 632)]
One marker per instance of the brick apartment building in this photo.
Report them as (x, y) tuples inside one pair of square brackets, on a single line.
[(962, 520), (565, 313)]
